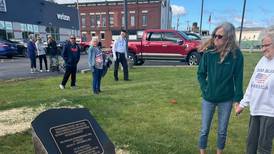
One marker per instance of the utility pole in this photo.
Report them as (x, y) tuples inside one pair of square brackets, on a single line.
[(125, 19), (242, 23), (201, 19), (187, 26), (79, 23), (178, 19)]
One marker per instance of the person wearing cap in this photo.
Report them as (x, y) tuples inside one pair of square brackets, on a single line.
[(52, 49), (120, 55), (41, 53), (31, 48), (71, 56)]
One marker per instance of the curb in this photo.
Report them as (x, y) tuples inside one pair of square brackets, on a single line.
[(84, 71)]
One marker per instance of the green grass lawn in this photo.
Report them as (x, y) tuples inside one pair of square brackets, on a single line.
[(137, 115)]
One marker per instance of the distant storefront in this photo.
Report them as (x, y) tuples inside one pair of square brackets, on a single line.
[(19, 18)]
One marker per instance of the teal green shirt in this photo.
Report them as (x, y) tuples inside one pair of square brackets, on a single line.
[(220, 82)]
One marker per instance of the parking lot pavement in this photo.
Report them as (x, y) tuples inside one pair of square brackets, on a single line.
[(19, 67)]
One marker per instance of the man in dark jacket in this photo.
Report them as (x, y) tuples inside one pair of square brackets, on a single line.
[(71, 56), (52, 49)]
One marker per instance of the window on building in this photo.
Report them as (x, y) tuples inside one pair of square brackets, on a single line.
[(102, 35), (132, 20), (104, 20), (84, 37), (92, 21), (144, 20), (54, 31), (93, 34), (98, 23), (123, 20), (111, 20), (83, 21), (10, 35)]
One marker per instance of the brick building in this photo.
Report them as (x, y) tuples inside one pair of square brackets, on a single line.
[(105, 19)]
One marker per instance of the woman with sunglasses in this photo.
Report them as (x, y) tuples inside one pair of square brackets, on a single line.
[(220, 75)]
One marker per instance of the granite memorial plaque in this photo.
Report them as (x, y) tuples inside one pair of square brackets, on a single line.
[(69, 131)]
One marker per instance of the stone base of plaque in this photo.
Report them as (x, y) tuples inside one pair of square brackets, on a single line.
[(38, 146)]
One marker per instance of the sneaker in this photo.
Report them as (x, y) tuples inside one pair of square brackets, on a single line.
[(47, 70), (41, 70), (31, 71), (61, 86)]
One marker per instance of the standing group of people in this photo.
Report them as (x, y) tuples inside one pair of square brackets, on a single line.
[(36, 48), (97, 61), (220, 75)]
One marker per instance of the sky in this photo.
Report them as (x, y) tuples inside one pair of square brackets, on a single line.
[(259, 13)]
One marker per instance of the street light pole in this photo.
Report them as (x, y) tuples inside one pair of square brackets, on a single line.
[(242, 23), (79, 23), (126, 21), (201, 19), (178, 19)]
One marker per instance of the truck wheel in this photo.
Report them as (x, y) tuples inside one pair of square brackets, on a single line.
[(140, 62), (134, 59), (194, 58)]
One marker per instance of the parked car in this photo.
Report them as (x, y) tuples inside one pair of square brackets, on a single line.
[(193, 36), (7, 48), (160, 44), (21, 46), (84, 46)]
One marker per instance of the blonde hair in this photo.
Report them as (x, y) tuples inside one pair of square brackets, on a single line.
[(94, 39), (229, 37)]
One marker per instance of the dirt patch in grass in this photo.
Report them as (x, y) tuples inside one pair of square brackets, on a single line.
[(19, 119)]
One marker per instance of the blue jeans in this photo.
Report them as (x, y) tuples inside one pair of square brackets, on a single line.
[(32, 61), (96, 84), (208, 109)]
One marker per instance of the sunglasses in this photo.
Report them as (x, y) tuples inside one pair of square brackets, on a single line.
[(218, 36), (266, 45)]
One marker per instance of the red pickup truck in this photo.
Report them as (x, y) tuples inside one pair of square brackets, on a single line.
[(158, 44)]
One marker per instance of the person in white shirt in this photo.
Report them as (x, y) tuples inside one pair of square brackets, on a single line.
[(41, 53), (259, 96), (120, 55)]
